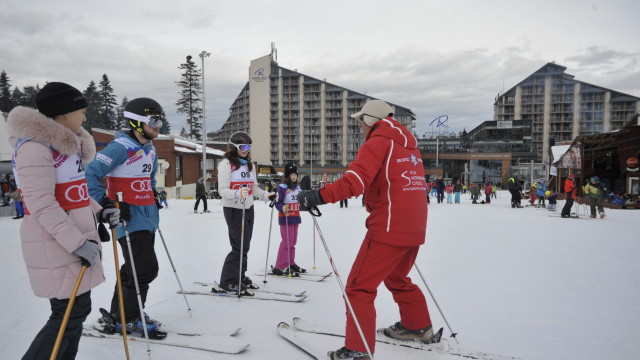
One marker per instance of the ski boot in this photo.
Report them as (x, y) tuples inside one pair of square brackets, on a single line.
[(288, 271), (107, 323), (246, 281), (298, 269), (426, 335), (232, 289), (346, 354), (110, 325)]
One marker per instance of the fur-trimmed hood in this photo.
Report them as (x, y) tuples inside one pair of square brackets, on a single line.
[(24, 122)]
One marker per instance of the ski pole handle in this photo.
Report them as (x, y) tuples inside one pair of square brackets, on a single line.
[(314, 211)]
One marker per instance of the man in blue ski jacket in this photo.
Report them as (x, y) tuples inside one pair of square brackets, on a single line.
[(129, 165)]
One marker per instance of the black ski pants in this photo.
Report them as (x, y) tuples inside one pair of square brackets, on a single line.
[(515, 197), (566, 210), (146, 263), (42, 345), (231, 267), (204, 201)]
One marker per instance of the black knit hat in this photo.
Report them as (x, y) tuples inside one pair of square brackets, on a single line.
[(290, 169), (58, 98)]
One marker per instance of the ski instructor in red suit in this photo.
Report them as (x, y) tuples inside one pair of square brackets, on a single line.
[(388, 169)]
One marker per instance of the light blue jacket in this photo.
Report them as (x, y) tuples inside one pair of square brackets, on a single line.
[(542, 188), (143, 217)]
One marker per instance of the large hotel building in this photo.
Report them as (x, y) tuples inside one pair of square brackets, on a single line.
[(293, 117), (561, 107)]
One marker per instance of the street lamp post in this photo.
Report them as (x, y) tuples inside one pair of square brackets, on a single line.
[(203, 55)]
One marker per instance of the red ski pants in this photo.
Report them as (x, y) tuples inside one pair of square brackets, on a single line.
[(376, 263)]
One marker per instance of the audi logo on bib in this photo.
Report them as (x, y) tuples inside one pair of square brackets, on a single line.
[(77, 193), (72, 195), (141, 185)]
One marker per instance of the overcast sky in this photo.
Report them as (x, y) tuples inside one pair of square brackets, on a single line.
[(435, 57)]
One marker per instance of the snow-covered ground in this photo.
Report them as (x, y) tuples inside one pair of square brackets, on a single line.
[(510, 281)]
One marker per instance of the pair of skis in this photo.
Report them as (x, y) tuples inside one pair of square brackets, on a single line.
[(315, 277), (217, 342), (255, 294), (292, 334)]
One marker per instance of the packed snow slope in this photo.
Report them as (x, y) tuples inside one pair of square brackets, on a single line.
[(514, 282)]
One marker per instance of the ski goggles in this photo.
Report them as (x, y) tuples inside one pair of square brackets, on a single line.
[(154, 121), (242, 147)]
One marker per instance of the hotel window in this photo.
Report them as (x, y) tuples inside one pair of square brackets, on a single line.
[(178, 167)]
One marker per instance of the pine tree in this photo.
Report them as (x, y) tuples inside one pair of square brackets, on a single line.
[(189, 102), (29, 93), (166, 127), (5, 93), (106, 105), (183, 133), (91, 94), (123, 104), (17, 97)]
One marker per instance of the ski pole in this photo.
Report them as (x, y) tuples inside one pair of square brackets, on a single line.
[(135, 281), (116, 261), (453, 334), (174, 270), (335, 271), (67, 312), (241, 249), (266, 262)]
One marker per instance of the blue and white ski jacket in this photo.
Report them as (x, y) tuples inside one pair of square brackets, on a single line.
[(113, 156)]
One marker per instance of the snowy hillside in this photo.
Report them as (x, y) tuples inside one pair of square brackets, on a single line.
[(514, 282)]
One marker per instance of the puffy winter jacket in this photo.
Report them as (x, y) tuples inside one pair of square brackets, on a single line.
[(569, 189), (541, 190), (388, 169), (594, 190), (50, 234)]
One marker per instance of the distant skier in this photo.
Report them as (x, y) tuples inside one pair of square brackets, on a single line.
[(289, 220), (541, 193), (388, 169), (595, 191), (515, 191), (201, 194), (553, 200), (457, 189), (569, 195)]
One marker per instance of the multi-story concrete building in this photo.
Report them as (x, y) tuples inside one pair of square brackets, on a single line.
[(293, 117), (561, 107)]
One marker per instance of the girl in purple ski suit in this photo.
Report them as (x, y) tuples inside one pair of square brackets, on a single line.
[(289, 220)]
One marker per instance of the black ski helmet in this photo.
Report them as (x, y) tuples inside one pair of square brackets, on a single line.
[(140, 107), (240, 137)]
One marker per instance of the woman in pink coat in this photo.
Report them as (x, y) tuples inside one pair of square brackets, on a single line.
[(59, 229)]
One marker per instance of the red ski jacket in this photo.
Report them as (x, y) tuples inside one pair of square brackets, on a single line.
[(388, 169)]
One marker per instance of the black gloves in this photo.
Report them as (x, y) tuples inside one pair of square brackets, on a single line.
[(309, 198), (157, 199), (88, 252), (273, 197)]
